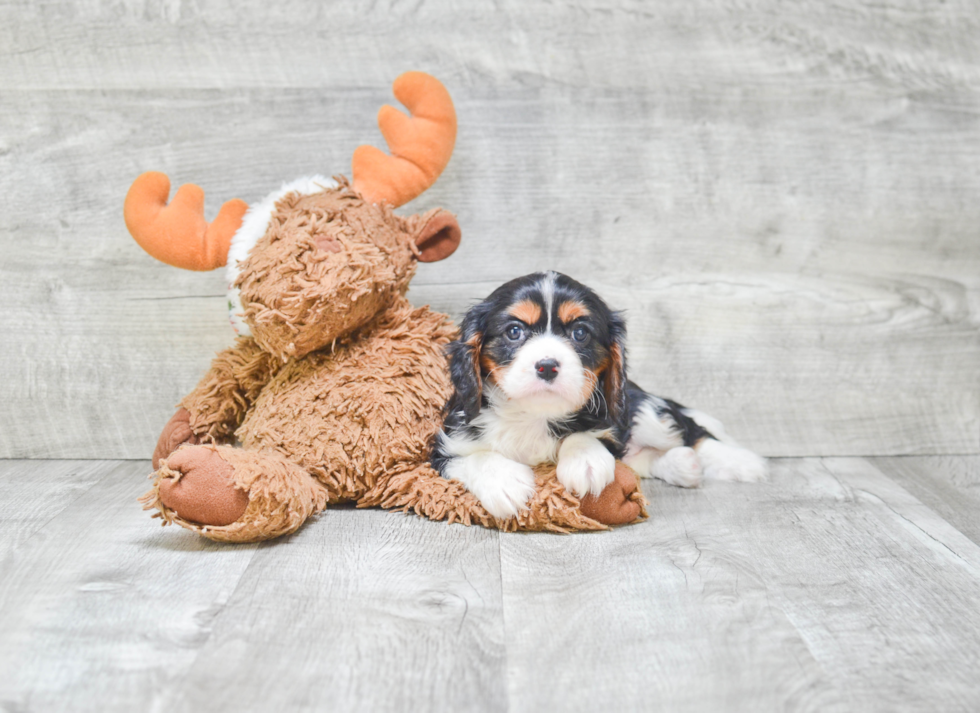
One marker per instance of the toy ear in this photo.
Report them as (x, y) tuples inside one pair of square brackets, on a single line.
[(438, 237), (464, 364), (614, 378)]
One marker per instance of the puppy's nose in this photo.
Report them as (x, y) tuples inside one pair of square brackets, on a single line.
[(547, 369)]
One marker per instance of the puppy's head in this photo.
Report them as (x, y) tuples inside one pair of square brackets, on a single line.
[(545, 343)]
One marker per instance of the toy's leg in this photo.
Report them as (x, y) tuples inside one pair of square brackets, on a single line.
[(621, 501), (424, 491), (234, 495), (176, 433)]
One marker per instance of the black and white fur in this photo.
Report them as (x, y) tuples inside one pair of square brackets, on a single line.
[(539, 372)]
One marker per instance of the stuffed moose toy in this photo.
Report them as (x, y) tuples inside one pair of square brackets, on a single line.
[(335, 386)]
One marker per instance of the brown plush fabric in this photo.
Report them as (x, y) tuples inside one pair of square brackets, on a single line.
[(281, 496), (219, 402), (202, 488), (616, 505), (438, 237), (299, 297), (176, 433), (339, 392)]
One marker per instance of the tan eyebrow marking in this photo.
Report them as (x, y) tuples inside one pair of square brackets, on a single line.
[(526, 311), (569, 311)]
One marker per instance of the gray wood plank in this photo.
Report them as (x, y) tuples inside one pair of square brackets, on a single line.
[(617, 43), (668, 615), (101, 609), (950, 486), (35, 492), (363, 610), (832, 587), (880, 587)]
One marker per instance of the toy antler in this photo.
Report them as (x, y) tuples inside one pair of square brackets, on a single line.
[(420, 145), (178, 234)]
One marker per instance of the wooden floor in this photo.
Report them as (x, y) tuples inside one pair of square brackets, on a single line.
[(842, 584)]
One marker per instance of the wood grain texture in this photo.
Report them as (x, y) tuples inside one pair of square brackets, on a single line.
[(781, 198), (619, 44), (362, 610), (34, 493), (882, 590), (950, 486), (365, 610), (102, 608), (668, 615), (830, 588)]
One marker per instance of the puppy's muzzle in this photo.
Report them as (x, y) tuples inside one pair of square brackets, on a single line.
[(547, 369)]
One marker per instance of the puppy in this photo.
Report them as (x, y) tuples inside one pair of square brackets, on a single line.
[(540, 376)]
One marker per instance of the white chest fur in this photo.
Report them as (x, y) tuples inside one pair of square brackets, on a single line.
[(525, 438), (515, 434)]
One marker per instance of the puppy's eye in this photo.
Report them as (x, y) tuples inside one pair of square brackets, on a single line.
[(514, 332), (580, 334)]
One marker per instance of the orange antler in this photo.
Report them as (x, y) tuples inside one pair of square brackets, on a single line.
[(178, 234), (420, 145)]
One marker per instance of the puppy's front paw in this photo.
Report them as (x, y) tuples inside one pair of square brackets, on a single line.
[(584, 465), (505, 488), (501, 485)]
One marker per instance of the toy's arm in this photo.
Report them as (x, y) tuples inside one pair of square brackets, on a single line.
[(217, 406)]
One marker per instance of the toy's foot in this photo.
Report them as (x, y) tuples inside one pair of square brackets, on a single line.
[(203, 487), (613, 506), (176, 433)]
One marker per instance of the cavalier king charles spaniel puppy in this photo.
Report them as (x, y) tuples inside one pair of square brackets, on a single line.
[(539, 372)]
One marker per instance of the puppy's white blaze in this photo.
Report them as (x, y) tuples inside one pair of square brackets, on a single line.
[(548, 294), (678, 466), (650, 430), (502, 486), (563, 395), (723, 461), (584, 464)]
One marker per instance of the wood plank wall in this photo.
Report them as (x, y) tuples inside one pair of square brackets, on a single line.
[(783, 197)]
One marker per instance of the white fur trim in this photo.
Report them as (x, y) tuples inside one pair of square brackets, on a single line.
[(253, 227)]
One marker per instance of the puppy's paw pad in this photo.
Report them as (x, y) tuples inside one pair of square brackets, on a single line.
[(585, 466), (679, 466)]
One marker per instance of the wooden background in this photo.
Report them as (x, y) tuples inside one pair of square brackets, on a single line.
[(782, 196)]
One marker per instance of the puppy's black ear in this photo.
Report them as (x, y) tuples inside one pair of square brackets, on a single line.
[(464, 362), (614, 378)]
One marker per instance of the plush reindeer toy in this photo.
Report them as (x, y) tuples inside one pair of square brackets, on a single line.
[(335, 385)]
